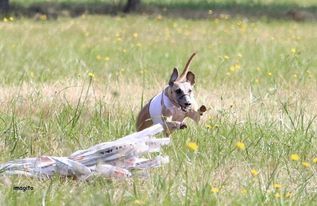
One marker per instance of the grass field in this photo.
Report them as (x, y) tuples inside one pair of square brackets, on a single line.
[(258, 79)]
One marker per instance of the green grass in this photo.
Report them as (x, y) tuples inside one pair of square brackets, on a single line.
[(258, 79)]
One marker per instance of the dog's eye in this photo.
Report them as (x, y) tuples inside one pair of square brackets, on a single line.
[(190, 91), (178, 91)]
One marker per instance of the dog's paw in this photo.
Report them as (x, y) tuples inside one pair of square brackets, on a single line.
[(182, 126), (202, 109)]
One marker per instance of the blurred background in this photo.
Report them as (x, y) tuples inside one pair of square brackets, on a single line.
[(282, 9)]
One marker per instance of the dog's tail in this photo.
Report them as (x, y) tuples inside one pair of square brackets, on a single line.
[(184, 73)]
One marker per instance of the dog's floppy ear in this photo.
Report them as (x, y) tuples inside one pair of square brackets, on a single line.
[(174, 76), (190, 77)]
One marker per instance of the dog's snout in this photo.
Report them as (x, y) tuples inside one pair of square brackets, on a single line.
[(187, 104)]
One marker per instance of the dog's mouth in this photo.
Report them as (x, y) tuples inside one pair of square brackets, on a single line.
[(185, 108)]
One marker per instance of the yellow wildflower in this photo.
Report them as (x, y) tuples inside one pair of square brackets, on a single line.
[(98, 57), (91, 75), (277, 195), (315, 160), (234, 67), (269, 73), (226, 57), (139, 202), (293, 50), (215, 189), (208, 126), (277, 186), (192, 146), (254, 172), (11, 18), (107, 59), (288, 195), (135, 35), (244, 191), (306, 164), (295, 157), (240, 145)]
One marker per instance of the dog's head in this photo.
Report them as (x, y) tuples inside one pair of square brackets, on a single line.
[(181, 87)]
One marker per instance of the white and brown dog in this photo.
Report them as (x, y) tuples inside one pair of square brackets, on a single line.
[(171, 106)]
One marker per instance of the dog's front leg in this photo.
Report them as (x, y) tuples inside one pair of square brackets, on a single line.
[(171, 126), (195, 115)]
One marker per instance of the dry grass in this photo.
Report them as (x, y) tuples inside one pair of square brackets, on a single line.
[(240, 103)]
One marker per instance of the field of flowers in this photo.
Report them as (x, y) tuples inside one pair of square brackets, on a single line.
[(70, 83)]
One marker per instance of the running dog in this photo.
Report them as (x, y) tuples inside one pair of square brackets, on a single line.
[(172, 105)]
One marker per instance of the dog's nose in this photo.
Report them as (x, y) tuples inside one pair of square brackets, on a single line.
[(187, 104)]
